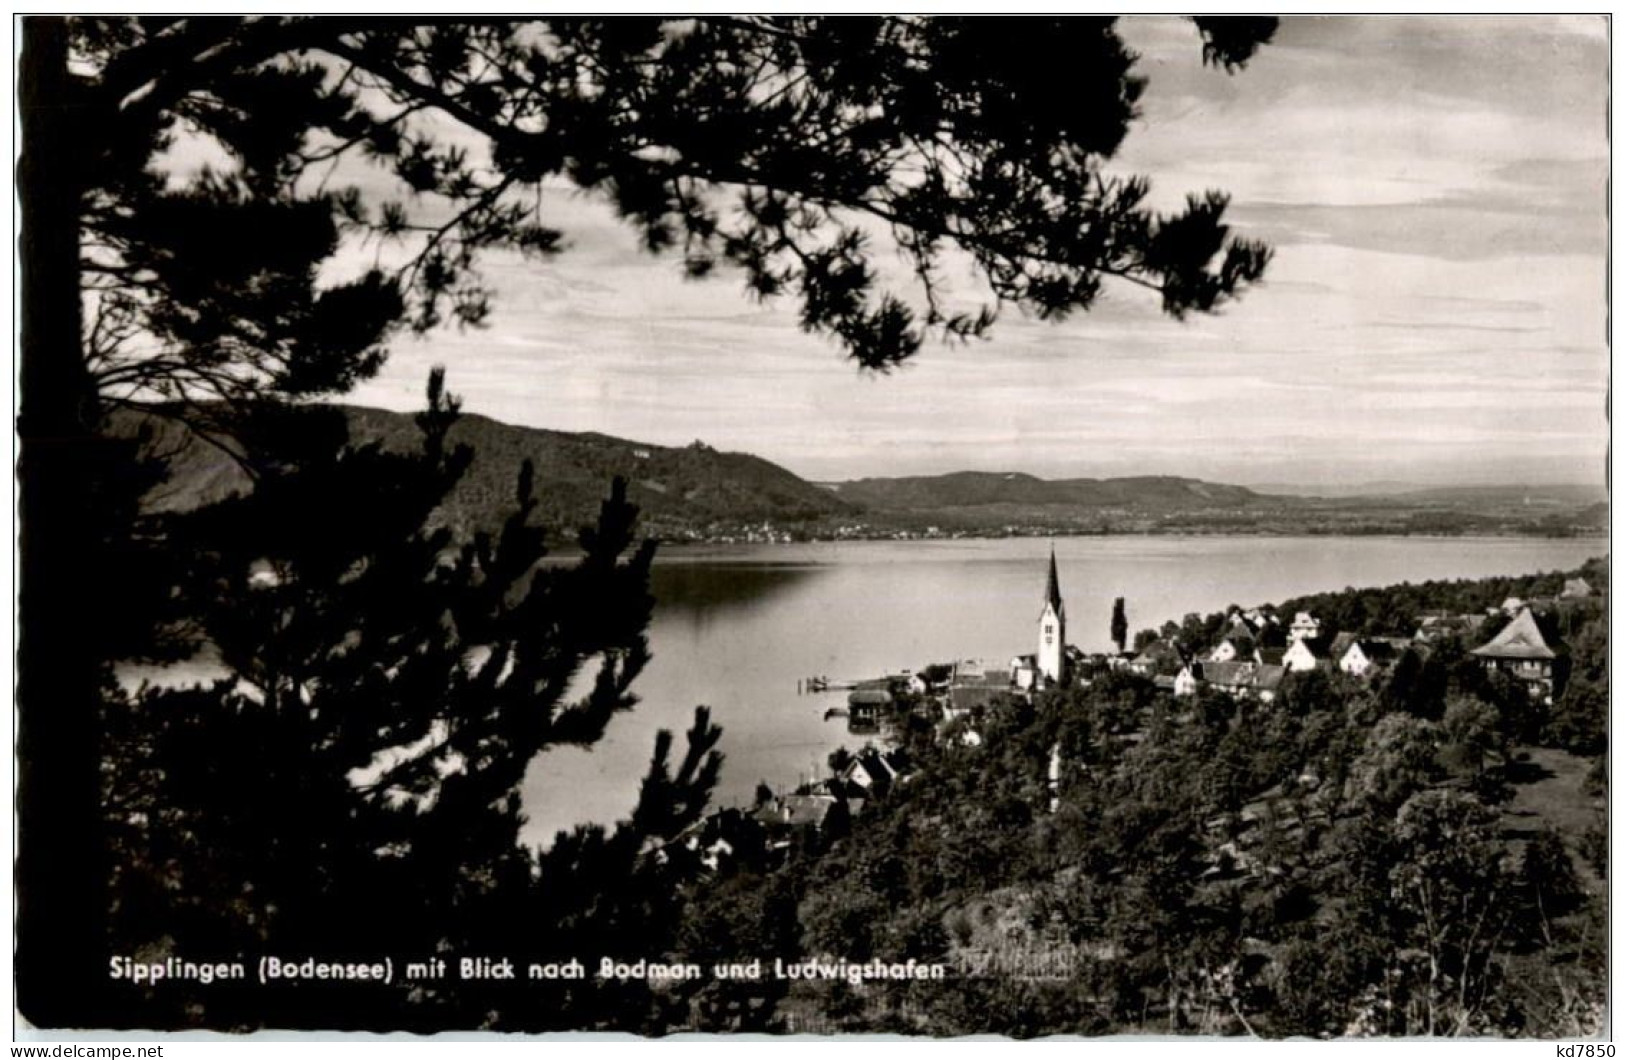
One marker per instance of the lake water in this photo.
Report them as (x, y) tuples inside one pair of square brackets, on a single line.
[(735, 628)]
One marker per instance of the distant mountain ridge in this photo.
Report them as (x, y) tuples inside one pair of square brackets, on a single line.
[(1512, 494), (980, 488), (678, 490), (695, 493), (1516, 493)]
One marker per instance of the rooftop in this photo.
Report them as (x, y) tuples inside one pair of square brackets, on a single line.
[(1521, 639)]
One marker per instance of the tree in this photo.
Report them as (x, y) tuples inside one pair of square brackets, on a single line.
[(1473, 731), (1453, 894), (1416, 686), (780, 148), (352, 787), (1579, 717), (1119, 625), (1548, 885), (1399, 760)]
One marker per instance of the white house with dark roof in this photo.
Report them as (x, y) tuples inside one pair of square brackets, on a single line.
[(1232, 646), (1323, 652), (867, 770), (1368, 654), (1304, 655)]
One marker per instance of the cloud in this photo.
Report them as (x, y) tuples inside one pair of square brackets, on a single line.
[(1436, 308), (1458, 230)]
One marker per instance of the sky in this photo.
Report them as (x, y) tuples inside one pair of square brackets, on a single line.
[(1436, 311)]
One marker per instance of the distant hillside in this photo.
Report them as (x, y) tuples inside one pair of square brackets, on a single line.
[(1509, 496), (696, 493), (680, 491), (982, 488), (1563, 495)]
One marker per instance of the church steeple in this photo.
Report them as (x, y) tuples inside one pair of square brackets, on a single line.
[(1052, 592), (1052, 629)]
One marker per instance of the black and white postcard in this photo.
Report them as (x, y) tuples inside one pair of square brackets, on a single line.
[(812, 525)]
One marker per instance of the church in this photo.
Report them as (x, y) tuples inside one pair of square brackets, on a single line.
[(1050, 666)]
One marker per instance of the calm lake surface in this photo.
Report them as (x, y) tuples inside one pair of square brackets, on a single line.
[(736, 627)]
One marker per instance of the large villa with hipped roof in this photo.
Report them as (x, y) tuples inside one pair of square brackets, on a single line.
[(1520, 650)]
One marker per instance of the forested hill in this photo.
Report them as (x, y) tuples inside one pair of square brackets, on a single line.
[(693, 490), (697, 493), (978, 488)]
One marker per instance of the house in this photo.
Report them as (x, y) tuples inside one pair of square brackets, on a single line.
[(1158, 657), (1233, 645), (1521, 651), (1438, 626), (865, 706), (1512, 605), (969, 671), (1306, 654), (1575, 589), (965, 699), (725, 836), (784, 816), (1024, 672), (973, 685), (1320, 651), (1267, 681), (1243, 679), (1304, 626), (1186, 683), (869, 771), (1229, 677), (1370, 654), (1260, 618), (1270, 656)]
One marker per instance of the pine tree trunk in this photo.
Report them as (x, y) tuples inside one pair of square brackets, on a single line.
[(61, 868)]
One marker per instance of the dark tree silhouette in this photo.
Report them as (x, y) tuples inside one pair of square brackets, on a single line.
[(1119, 625), (785, 149), (351, 788)]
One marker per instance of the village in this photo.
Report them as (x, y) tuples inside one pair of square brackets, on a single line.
[(1250, 656)]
